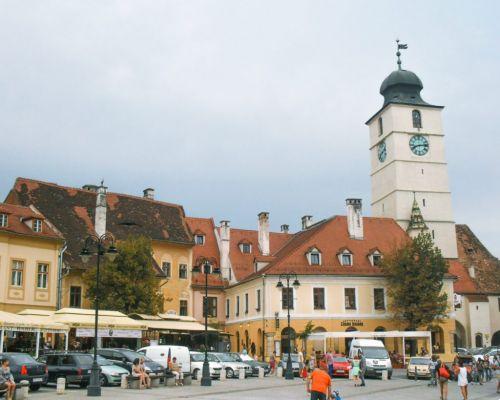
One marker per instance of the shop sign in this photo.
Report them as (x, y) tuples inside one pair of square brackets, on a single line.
[(119, 333), (352, 322)]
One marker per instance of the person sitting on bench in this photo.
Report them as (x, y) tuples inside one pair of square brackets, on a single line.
[(175, 368)]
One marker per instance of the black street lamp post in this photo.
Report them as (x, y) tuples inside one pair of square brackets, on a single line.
[(206, 379), (288, 277), (99, 243)]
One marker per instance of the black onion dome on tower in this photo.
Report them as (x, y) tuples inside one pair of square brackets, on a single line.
[(402, 86)]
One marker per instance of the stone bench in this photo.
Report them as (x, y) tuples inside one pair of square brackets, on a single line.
[(133, 382)]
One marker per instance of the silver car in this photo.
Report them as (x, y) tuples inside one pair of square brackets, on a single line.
[(111, 374), (232, 367)]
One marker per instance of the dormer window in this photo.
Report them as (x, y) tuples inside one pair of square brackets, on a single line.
[(199, 239), (417, 119), (37, 225), (375, 258), (4, 220), (314, 256), (345, 257), (245, 248)]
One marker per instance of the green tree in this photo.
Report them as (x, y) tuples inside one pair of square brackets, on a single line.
[(128, 284), (415, 275), (305, 334)]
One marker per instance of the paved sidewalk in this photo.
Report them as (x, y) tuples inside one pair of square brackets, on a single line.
[(272, 388)]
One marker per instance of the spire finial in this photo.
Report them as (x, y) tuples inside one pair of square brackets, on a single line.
[(398, 53)]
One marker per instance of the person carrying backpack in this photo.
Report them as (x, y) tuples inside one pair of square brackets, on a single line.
[(443, 375)]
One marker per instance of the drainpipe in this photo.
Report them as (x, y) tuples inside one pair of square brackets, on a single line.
[(263, 317), (60, 275)]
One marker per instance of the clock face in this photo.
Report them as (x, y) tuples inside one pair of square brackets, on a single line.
[(382, 151), (419, 145)]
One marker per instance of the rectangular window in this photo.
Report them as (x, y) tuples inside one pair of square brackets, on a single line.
[(183, 308), (315, 259), (211, 306), (183, 271), (319, 298), (287, 298), (3, 220), (258, 300), (166, 267), (37, 225), (377, 259), (246, 303), (75, 296), (379, 299), (237, 311), (246, 248), (42, 276), (16, 278), (380, 127), (346, 259), (228, 308), (350, 298), (199, 239)]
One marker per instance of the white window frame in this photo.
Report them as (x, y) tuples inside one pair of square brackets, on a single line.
[(17, 273), (4, 220), (37, 225), (309, 256), (341, 258), (324, 299), (197, 236), (43, 275), (187, 271), (372, 257), (356, 299), (242, 246), (385, 300), (169, 268)]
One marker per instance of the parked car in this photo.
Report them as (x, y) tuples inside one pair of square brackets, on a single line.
[(73, 366), (26, 368), (197, 360), (341, 366), (125, 357), (253, 363), (295, 363), (376, 355), (232, 367), (111, 374), (159, 354), (491, 352), (419, 365)]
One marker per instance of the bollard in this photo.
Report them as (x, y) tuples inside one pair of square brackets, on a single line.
[(279, 373), (416, 375), (61, 385), (385, 375), (261, 372), (222, 376), (124, 383), (23, 391), (241, 373)]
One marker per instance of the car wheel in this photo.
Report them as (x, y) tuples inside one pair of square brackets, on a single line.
[(103, 380), (34, 388), (229, 373), (195, 374)]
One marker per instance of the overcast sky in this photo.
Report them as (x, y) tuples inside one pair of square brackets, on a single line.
[(234, 107)]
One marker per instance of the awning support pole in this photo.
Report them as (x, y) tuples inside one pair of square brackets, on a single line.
[(1, 341), (66, 340), (37, 347)]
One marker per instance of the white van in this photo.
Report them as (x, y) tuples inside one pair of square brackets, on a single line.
[(160, 354), (376, 355)]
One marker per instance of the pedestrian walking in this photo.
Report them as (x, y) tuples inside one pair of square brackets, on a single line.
[(355, 370), (272, 363), (432, 369), (443, 375), (319, 383), (480, 370), (362, 367), (329, 361), (462, 380), (487, 368), (300, 355)]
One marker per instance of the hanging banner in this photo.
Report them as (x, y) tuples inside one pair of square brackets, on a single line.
[(107, 333)]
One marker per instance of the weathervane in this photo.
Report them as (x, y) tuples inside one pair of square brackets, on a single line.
[(398, 53)]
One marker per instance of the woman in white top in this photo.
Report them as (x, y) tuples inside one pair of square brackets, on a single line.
[(462, 380)]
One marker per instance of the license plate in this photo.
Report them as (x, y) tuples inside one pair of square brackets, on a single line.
[(37, 379), (340, 370), (89, 371)]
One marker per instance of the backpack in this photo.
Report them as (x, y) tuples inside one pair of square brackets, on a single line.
[(443, 372)]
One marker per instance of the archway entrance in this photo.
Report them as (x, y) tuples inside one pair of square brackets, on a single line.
[(238, 341), (285, 335), (247, 342), (348, 340), (479, 340), (459, 336), (437, 340), (495, 339)]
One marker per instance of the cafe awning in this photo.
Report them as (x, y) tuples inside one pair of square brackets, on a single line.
[(30, 323), (171, 323)]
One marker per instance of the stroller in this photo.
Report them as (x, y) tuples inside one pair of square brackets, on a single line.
[(336, 395)]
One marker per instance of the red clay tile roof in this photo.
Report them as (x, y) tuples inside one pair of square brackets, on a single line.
[(208, 251), (329, 236), (471, 252), (72, 210), (464, 283), (16, 215), (243, 263)]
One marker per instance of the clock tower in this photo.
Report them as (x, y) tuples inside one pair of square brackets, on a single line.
[(409, 174)]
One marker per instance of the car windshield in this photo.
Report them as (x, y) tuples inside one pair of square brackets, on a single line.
[(340, 359), (84, 358), (375, 352), (475, 351), (420, 361), (235, 356), (295, 357), (22, 359), (225, 357), (132, 355), (245, 357), (103, 361), (201, 357)]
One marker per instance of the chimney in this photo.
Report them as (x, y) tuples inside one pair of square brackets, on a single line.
[(472, 271), (264, 232), (225, 236), (285, 228), (354, 218), (307, 221), (149, 193), (100, 210)]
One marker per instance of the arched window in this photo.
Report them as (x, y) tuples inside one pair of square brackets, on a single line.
[(287, 340), (417, 119), (380, 127), (479, 340)]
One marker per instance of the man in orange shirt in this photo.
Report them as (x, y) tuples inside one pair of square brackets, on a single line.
[(319, 383)]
